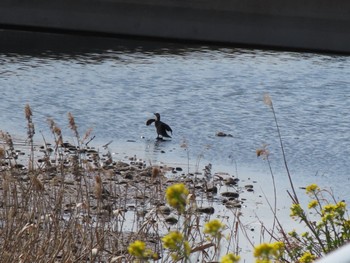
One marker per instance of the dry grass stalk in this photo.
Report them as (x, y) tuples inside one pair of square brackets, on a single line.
[(28, 112), (267, 100), (72, 125), (2, 153), (87, 134), (56, 131), (6, 137), (37, 184), (98, 187), (155, 172), (66, 221)]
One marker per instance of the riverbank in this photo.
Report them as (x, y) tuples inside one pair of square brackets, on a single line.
[(313, 25), (87, 190), (74, 190)]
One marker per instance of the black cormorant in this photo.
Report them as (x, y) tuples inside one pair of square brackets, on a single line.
[(161, 127)]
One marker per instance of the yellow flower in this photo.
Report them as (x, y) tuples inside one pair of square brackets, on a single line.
[(305, 234), (263, 261), (341, 208), (307, 257), (176, 196), (341, 205), (262, 249), (137, 249), (312, 188), (213, 227), (173, 240), (329, 208), (296, 210), (328, 217), (277, 246), (346, 224), (230, 258), (266, 251), (187, 248), (313, 204)]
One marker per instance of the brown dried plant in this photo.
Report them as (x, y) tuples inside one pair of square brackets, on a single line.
[(28, 114), (6, 137), (56, 131), (98, 187), (30, 132), (268, 102), (87, 135), (2, 153), (73, 126), (37, 184)]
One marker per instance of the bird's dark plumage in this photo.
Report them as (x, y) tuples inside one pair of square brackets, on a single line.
[(161, 127)]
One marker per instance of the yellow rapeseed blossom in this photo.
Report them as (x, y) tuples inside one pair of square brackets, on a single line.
[(277, 246), (329, 208), (187, 248), (312, 188), (296, 210), (137, 249), (176, 243), (341, 205), (213, 227), (313, 204), (328, 217), (307, 257), (335, 210), (230, 258), (262, 249), (346, 224), (173, 240), (176, 196), (341, 208), (305, 234), (266, 251)]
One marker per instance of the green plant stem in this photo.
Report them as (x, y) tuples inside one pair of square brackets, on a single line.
[(284, 155), (275, 196)]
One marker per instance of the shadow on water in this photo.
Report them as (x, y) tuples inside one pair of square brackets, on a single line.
[(68, 46)]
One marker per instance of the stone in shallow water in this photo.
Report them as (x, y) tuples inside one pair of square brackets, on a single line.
[(231, 181), (230, 194), (223, 134), (206, 210), (171, 220), (233, 204), (164, 210), (212, 189)]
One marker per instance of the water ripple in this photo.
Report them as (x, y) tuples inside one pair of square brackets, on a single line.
[(115, 86)]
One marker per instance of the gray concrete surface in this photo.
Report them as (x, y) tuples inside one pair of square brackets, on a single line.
[(319, 25)]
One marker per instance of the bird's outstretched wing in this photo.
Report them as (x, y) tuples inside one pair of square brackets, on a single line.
[(150, 121), (167, 128)]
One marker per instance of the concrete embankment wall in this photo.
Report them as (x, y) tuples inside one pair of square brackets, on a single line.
[(320, 25)]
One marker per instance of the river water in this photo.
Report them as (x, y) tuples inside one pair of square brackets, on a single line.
[(115, 85)]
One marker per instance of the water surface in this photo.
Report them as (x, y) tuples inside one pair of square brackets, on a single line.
[(115, 85)]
